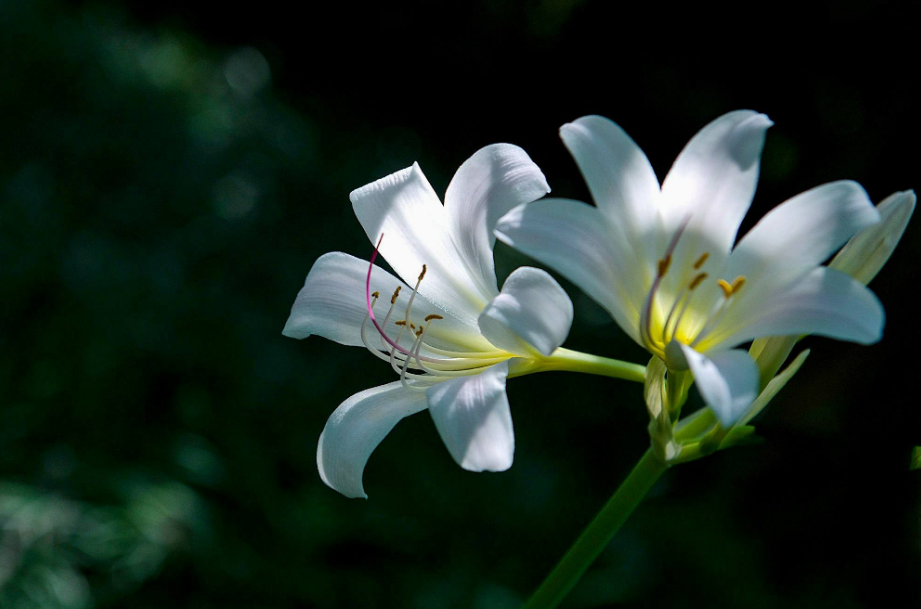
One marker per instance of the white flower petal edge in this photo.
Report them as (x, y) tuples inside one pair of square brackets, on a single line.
[(574, 239), (620, 179), (862, 258), (800, 234), (689, 290), (728, 381), (404, 207), (532, 313), (713, 182), (454, 240), (356, 428), (490, 183), (473, 418), (826, 302), (332, 305)]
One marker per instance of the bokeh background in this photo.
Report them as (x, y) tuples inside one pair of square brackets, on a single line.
[(169, 171)]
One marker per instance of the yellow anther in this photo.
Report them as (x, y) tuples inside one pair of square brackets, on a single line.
[(422, 274), (664, 264), (375, 294), (737, 283), (401, 322), (697, 281), (726, 286), (412, 325), (396, 293), (701, 260), (433, 316)]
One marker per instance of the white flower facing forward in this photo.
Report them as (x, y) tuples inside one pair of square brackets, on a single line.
[(661, 259), (448, 332)]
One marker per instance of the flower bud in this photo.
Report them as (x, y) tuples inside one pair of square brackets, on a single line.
[(867, 251)]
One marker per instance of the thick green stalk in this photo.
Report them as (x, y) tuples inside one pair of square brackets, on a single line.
[(597, 535), (575, 361)]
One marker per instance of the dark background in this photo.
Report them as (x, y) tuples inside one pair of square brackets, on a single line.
[(169, 172)]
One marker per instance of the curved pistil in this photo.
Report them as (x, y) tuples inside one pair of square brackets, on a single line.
[(401, 359)]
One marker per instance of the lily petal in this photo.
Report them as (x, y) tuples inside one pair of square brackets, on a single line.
[(404, 208), (620, 178), (332, 304), (798, 235), (728, 381), (532, 313), (473, 418), (825, 302), (490, 183), (356, 428), (712, 182), (866, 253), (575, 239)]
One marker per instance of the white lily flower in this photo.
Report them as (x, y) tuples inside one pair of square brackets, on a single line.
[(661, 259), (448, 332)]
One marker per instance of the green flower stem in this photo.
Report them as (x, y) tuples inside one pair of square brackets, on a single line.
[(597, 535), (575, 361)]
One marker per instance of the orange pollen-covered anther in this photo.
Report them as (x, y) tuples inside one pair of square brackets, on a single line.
[(700, 261), (375, 294), (401, 322), (422, 274), (396, 293), (664, 264), (433, 316), (697, 281)]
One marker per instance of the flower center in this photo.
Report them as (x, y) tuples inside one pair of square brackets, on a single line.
[(406, 355), (680, 316)]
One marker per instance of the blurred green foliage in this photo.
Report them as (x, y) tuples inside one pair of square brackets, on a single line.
[(162, 199)]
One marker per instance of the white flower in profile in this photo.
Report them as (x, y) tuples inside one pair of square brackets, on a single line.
[(447, 332), (661, 260)]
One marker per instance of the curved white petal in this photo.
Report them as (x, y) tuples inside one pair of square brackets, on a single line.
[(728, 381), (332, 304), (619, 176), (472, 415), (531, 313), (575, 239), (825, 302), (798, 235), (712, 183), (866, 253), (356, 428), (404, 208), (490, 183)]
